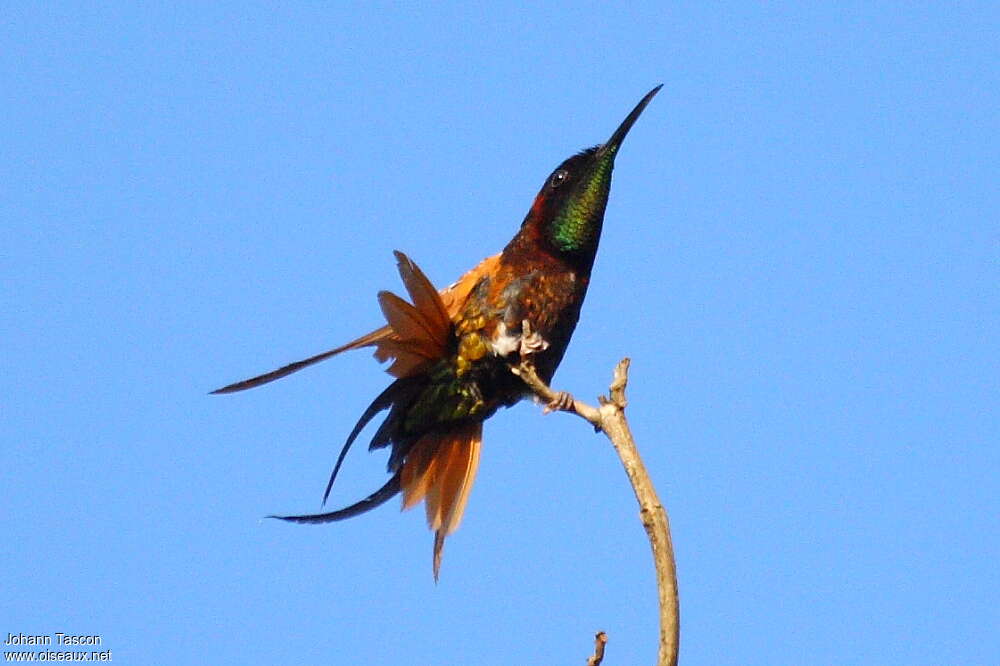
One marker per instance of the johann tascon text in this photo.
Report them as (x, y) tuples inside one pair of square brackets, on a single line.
[(66, 647)]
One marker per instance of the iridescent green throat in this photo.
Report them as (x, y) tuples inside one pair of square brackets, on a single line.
[(576, 229)]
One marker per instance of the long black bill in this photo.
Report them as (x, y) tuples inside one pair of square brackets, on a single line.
[(616, 139)]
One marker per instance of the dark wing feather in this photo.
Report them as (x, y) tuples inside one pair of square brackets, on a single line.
[(377, 498), (433, 322), (398, 390), (365, 340)]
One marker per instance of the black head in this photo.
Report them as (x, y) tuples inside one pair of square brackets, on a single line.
[(569, 209)]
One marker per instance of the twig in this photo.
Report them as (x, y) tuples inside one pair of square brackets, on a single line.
[(600, 640), (526, 371), (610, 418)]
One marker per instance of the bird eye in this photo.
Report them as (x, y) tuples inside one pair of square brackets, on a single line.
[(559, 177)]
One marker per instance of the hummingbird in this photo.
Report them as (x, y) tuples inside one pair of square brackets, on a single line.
[(452, 350)]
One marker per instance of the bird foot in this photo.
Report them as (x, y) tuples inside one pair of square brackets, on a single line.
[(563, 402), (531, 342)]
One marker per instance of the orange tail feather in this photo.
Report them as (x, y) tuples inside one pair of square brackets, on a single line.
[(440, 469)]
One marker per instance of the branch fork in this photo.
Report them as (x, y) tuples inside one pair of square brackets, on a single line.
[(609, 418)]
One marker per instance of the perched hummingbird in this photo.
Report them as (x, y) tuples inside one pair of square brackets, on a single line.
[(452, 350)]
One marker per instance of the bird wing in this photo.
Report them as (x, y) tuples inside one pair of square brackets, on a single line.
[(364, 341), (439, 467), (410, 354)]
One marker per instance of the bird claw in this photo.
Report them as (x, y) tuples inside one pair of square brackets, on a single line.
[(531, 342), (563, 402)]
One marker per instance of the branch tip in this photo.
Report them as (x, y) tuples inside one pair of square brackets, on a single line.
[(610, 419), (600, 640)]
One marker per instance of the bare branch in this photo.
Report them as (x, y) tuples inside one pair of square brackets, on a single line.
[(600, 640), (610, 418), (526, 371)]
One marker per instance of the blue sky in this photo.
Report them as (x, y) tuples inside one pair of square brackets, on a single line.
[(801, 256)]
